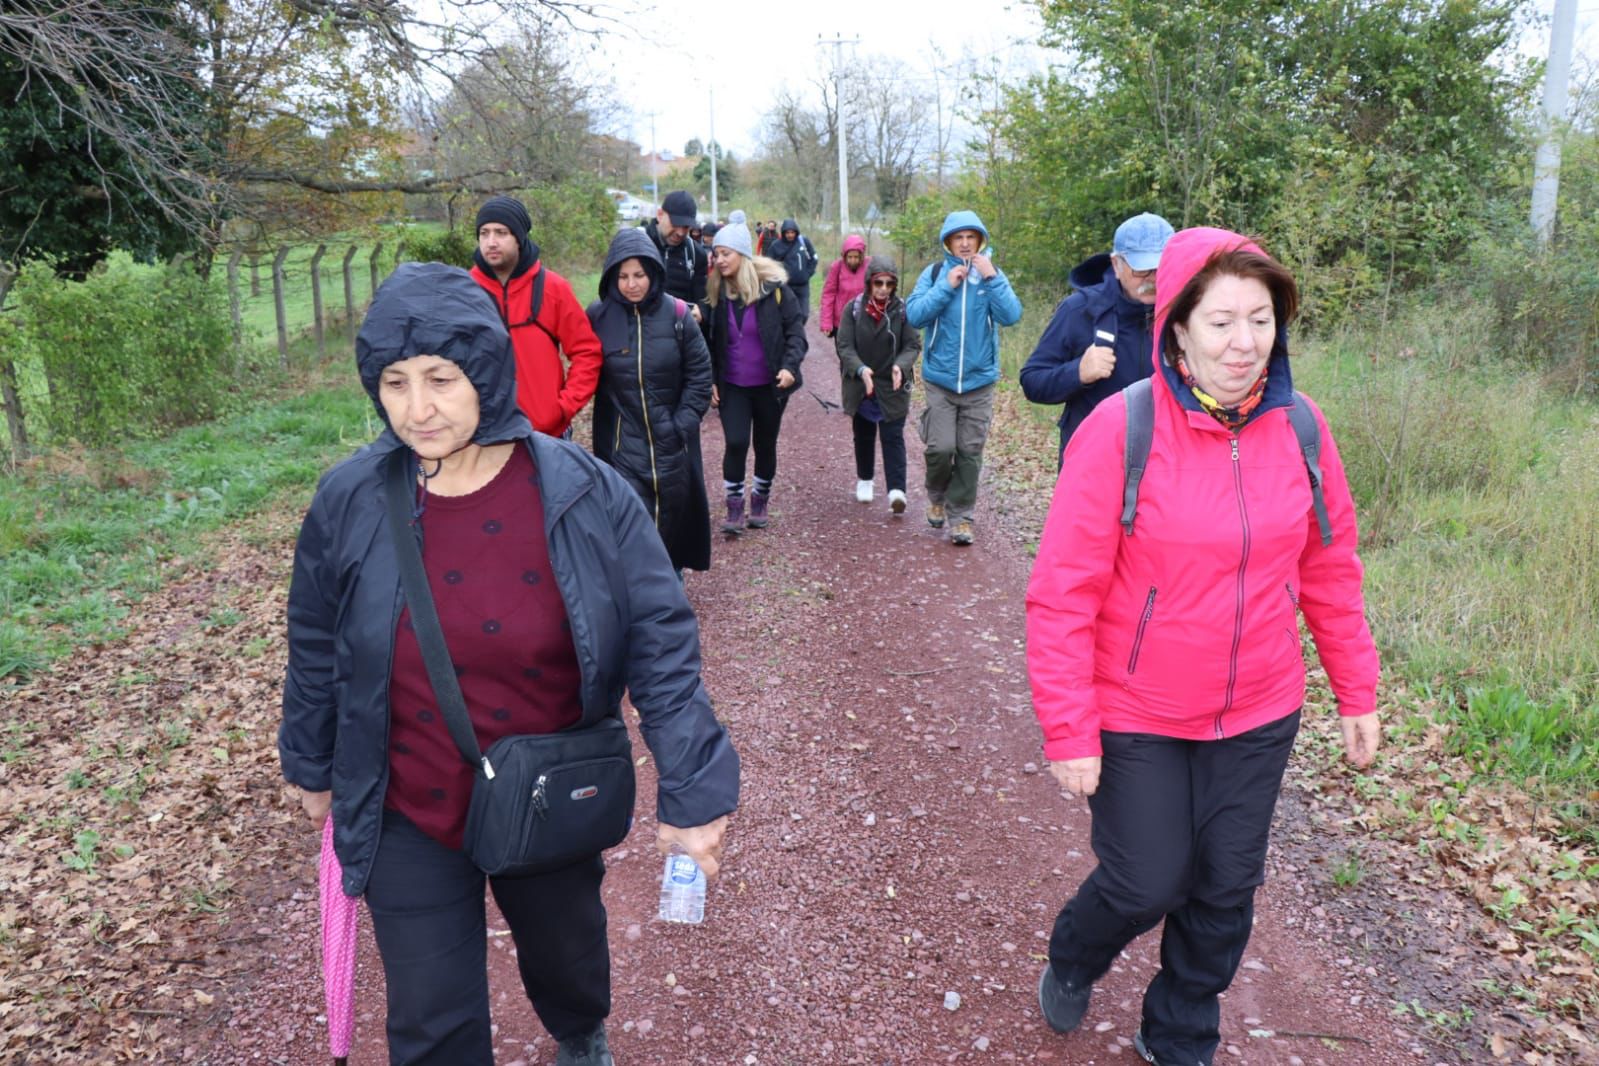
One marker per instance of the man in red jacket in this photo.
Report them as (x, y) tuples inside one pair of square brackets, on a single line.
[(544, 317)]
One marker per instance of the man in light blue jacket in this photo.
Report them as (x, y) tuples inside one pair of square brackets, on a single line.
[(959, 302)]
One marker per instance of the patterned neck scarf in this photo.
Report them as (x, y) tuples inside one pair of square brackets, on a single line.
[(1231, 417)]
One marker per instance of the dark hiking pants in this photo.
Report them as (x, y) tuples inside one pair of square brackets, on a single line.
[(750, 413), (429, 920), (1180, 830), (892, 435)]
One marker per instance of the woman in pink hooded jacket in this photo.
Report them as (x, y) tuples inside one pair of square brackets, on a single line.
[(1165, 661), (846, 279)]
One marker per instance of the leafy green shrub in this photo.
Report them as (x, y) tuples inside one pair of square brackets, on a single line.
[(572, 224), (1544, 303), (129, 351), (430, 245)]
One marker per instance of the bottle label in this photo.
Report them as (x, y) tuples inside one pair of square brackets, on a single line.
[(684, 870)]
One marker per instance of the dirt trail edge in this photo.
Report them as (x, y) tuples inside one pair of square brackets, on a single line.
[(895, 867)]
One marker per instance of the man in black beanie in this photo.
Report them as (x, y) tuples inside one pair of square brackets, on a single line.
[(543, 315), (687, 261)]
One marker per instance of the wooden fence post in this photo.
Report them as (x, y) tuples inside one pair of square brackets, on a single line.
[(277, 303), (235, 307), (8, 383), (255, 274), (316, 302), (349, 296), (372, 266)]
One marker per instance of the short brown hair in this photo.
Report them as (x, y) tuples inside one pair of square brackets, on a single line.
[(1232, 263)]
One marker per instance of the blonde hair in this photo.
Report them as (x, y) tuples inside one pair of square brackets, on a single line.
[(744, 286)]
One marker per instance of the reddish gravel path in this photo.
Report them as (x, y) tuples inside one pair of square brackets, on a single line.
[(898, 841)]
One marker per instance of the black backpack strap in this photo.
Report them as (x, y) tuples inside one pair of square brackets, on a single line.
[(1306, 429), (1135, 457), (399, 492)]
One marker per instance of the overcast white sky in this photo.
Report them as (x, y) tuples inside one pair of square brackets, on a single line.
[(671, 56), (744, 52)]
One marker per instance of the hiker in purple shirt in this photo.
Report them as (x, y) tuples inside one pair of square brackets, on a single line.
[(757, 345)]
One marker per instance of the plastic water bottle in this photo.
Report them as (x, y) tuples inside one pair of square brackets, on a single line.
[(682, 890)]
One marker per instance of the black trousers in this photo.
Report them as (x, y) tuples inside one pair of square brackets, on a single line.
[(1180, 830), (892, 433), (750, 412), (428, 913)]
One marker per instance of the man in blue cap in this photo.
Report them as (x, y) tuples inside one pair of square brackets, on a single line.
[(1101, 338)]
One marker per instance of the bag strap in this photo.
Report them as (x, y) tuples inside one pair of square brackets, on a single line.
[(1303, 420), (1135, 456), (1141, 430), (398, 491)]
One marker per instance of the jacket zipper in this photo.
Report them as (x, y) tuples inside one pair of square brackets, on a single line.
[(1138, 637), (649, 434), (1238, 605), (960, 359)]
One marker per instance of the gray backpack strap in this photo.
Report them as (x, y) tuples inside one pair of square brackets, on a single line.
[(1309, 434), (1135, 456)]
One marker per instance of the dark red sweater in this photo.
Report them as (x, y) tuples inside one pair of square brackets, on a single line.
[(488, 565)]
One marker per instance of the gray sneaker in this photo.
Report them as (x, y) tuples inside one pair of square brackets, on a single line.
[(1062, 1006), (591, 1050)]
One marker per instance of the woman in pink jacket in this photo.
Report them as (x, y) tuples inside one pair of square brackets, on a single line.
[(846, 279), (1165, 661)]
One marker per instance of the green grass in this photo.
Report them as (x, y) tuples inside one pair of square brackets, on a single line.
[(1476, 485), (258, 312), (85, 537)]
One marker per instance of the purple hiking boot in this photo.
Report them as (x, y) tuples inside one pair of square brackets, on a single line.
[(758, 504), (735, 516)]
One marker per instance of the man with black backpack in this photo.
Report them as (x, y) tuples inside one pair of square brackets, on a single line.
[(686, 259), (798, 256), (1099, 340), (543, 316)]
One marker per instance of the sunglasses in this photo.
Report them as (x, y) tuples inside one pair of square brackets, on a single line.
[(886, 283)]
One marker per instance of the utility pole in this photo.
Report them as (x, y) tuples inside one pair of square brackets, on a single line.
[(1556, 89), (655, 186), (711, 148), (838, 44)]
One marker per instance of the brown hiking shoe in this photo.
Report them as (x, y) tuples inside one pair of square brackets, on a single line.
[(935, 515), (961, 532)]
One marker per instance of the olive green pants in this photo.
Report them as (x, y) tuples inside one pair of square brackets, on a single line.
[(954, 427)]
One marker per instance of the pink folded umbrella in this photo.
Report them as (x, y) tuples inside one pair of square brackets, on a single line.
[(338, 948)]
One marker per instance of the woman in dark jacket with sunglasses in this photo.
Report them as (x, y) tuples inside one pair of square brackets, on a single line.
[(554, 595), (655, 387), (877, 352)]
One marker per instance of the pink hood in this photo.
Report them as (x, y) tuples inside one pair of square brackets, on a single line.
[(842, 284), (1190, 626)]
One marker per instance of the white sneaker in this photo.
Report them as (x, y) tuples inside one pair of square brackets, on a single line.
[(863, 491), (896, 501)]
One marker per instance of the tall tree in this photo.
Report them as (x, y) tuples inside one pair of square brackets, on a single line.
[(211, 106)]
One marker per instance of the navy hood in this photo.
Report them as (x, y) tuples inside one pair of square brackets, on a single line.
[(633, 244), (433, 309), (788, 224)]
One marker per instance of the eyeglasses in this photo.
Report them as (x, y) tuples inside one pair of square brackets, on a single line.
[(1139, 274)]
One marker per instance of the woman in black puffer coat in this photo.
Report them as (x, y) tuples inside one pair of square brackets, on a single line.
[(655, 386)]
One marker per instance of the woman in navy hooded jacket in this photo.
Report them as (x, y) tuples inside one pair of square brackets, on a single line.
[(555, 595), (958, 303), (655, 387)]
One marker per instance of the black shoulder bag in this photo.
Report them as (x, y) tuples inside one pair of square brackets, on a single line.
[(540, 801)]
